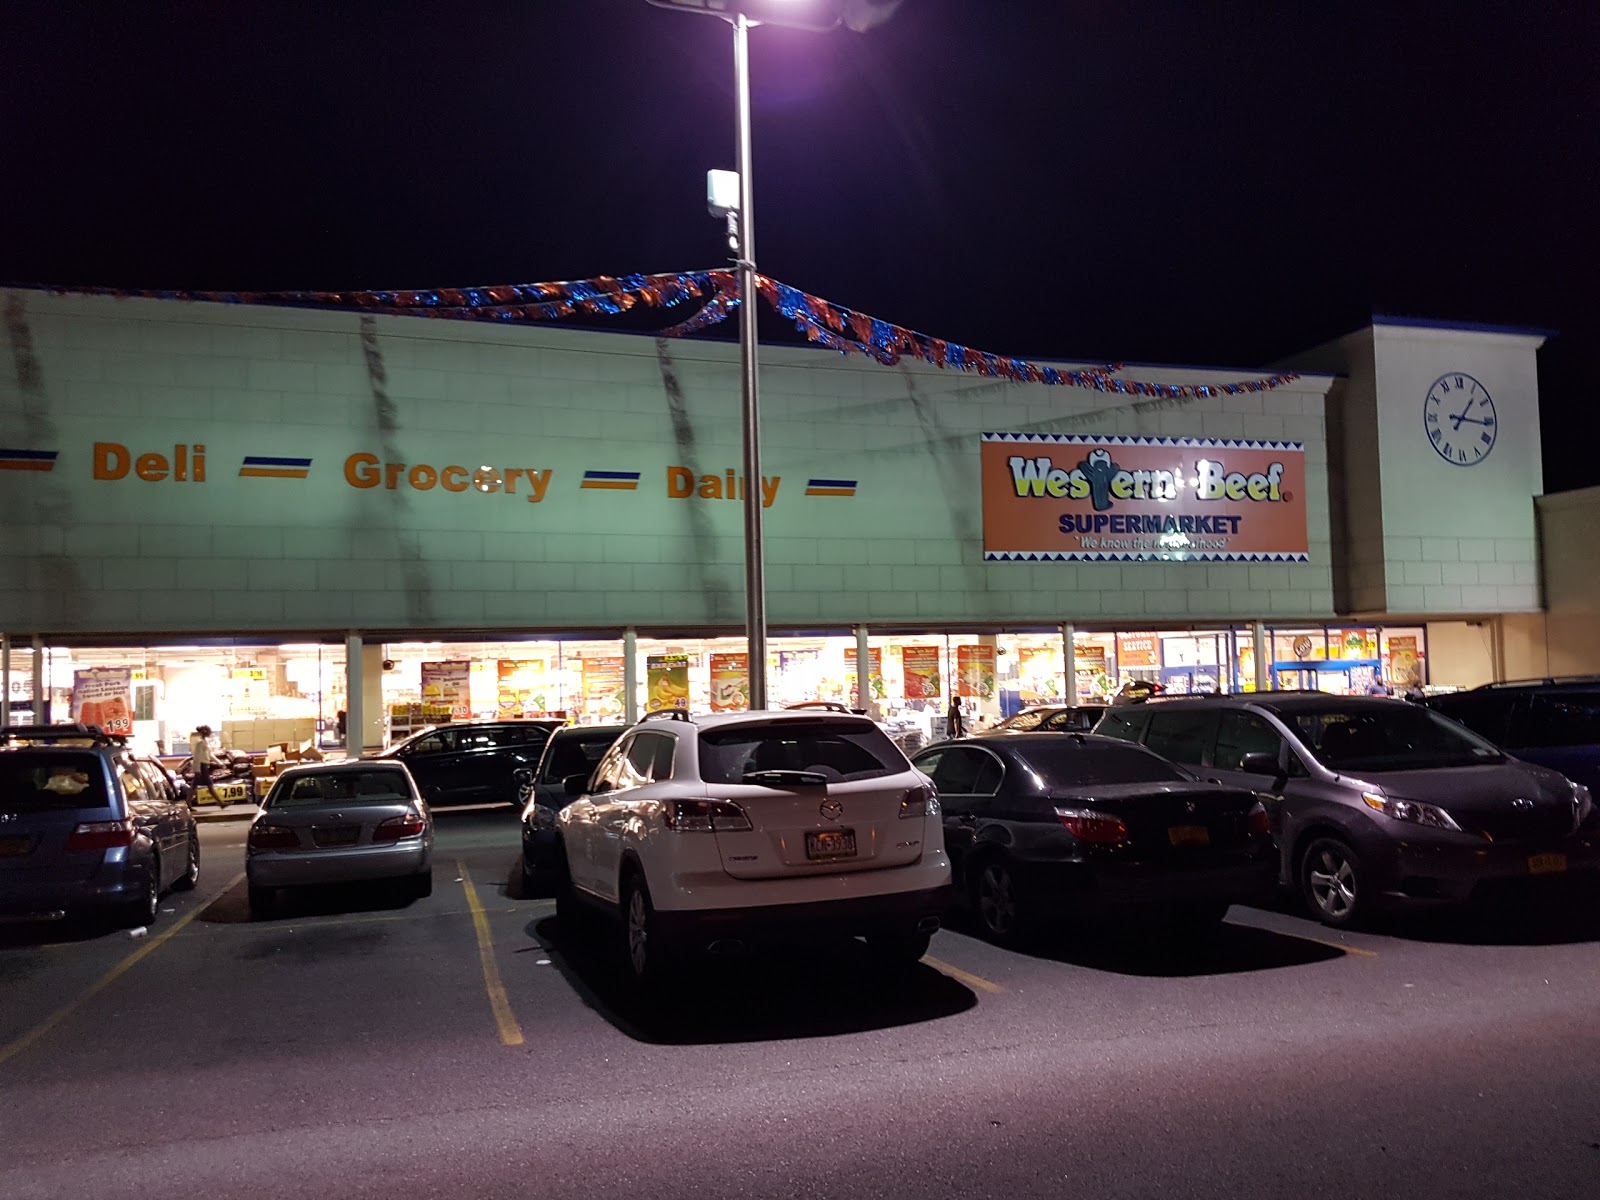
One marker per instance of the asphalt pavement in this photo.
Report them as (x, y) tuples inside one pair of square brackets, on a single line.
[(364, 1044)]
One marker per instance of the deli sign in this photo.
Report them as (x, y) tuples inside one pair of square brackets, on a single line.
[(1050, 496)]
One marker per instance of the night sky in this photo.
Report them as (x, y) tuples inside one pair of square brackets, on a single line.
[(1198, 181)]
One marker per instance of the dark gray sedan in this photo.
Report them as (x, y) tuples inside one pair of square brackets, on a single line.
[(340, 822)]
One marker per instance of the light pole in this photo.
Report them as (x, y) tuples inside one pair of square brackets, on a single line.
[(818, 15)]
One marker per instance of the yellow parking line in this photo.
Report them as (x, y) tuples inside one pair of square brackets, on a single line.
[(11, 1049), (510, 1031), (1364, 953), (960, 976)]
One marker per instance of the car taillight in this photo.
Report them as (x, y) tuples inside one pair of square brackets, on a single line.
[(704, 816), (273, 837), (395, 828), (919, 802), (1258, 820), (101, 835), (1089, 826)]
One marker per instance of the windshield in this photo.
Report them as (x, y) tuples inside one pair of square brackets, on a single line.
[(837, 750), (338, 787), (44, 782), (577, 753), (1389, 737), (1025, 720), (1065, 764)]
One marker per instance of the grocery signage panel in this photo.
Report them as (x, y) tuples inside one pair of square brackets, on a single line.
[(1050, 497)]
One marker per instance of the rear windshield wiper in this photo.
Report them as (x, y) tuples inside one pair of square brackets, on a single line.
[(784, 778)]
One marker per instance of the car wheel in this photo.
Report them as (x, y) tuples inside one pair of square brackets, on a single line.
[(422, 885), (994, 899), (531, 880), (262, 902), (1330, 877), (191, 874), (648, 955), (900, 949), (143, 910)]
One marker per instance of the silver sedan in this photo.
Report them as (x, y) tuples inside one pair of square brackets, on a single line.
[(339, 822)]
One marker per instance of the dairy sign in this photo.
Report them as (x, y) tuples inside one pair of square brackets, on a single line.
[(1050, 496)]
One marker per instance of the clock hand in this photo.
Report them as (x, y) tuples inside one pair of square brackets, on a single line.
[(1462, 415), (1463, 419)]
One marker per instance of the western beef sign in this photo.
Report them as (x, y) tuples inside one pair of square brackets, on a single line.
[(1058, 496)]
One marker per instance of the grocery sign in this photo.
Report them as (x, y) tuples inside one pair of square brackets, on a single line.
[(1051, 496)]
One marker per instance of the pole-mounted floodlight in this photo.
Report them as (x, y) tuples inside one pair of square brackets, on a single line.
[(729, 196)]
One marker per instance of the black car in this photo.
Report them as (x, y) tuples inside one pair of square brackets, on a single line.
[(573, 750), (1552, 722), (473, 762), (1384, 802), (1043, 828), (86, 825), (1050, 718)]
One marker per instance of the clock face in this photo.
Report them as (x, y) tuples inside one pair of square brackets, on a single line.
[(1459, 418)]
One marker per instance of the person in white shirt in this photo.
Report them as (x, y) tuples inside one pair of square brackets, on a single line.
[(202, 758)]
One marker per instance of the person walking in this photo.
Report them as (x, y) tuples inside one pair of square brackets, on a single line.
[(201, 758), (956, 720)]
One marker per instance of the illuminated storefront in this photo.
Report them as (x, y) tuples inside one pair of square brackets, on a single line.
[(261, 519)]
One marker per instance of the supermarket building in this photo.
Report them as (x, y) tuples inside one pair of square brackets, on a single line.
[(258, 517)]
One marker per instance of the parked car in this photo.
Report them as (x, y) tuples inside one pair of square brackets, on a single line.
[(233, 779), (706, 833), (1552, 722), (86, 825), (1385, 802), (572, 750), (473, 762), (352, 821), (1043, 829), (1049, 718)]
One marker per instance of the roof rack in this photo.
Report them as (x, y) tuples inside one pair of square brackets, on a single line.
[(670, 714), (61, 733), (825, 706)]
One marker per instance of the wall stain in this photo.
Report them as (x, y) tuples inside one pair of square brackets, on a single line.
[(723, 600), (394, 509), (47, 507)]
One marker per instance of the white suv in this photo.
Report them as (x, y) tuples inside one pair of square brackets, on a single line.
[(705, 833)]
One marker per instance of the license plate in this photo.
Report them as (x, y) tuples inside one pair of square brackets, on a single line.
[(1188, 835), (831, 843), (342, 835), (14, 847), (1546, 864)]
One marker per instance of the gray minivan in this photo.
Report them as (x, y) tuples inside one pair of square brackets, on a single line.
[(1381, 801), (88, 825)]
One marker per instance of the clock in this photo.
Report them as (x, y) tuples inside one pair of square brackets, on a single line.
[(1459, 418)]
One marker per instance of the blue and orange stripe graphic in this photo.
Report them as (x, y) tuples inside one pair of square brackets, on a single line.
[(626, 481), (830, 487), (260, 467), (28, 460)]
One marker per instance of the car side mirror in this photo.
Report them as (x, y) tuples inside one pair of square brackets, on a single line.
[(1261, 763), (575, 785)]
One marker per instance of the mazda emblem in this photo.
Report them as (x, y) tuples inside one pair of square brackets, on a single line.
[(831, 810), (1190, 806)]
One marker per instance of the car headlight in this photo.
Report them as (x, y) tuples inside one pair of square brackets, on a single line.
[(1413, 811)]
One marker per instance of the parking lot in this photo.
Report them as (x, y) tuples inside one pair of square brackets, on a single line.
[(365, 1044)]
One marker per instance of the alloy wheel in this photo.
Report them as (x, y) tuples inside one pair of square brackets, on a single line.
[(1332, 880), (997, 901), (638, 932)]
